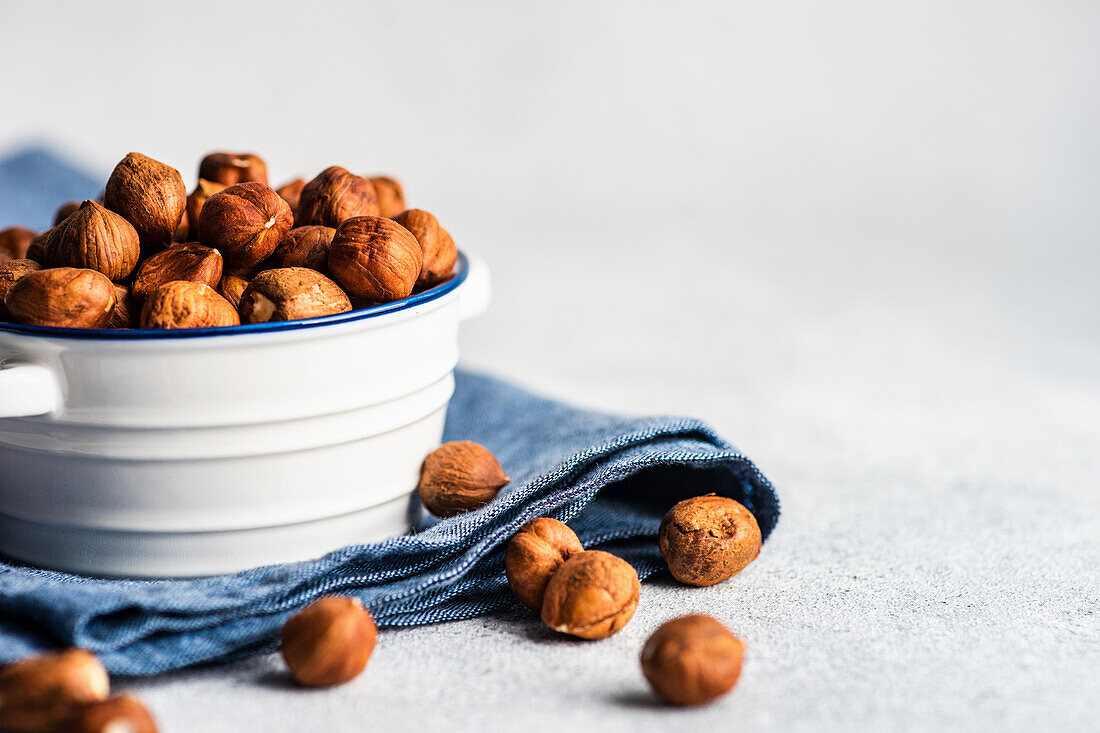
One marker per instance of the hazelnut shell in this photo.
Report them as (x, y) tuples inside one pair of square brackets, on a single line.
[(14, 243), (304, 247), (335, 196), (436, 244), (96, 238), (65, 297), (458, 477), (148, 194), (692, 660), (10, 273), (127, 312), (592, 595), (246, 222), (229, 169), (289, 294), (291, 192), (375, 259), (187, 304), (232, 287), (195, 200), (44, 692), (391, 196), (708, 539), (534, 554), (194, 262), (329, 642)]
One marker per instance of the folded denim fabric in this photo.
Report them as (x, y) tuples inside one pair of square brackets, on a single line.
[(611, 478)]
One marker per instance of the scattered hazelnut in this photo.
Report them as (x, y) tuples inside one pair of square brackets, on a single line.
[(459, 476), (179, 262), (230, 169), (66, 210), (290, 294), (204, 190), (391, 196), (304, 247), (291, 191), (62, 296), (120, 714), (692, 660), (246, 222), (14, 242), (149, 194), (334, 196), (45, 692), (231, 288), (95, 238), (708, 539), (375, 258), (328, 642), (11, 272), (127, 312), (592, 595), (439, 249), (186, 304), (534, 554), (37, 249)]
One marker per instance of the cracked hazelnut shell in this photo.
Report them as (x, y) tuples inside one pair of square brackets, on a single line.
[(391, 196), (375, 258), (436, 244), (592, 595), (190, 261), (458, 477), (329, 642), (95, 238), (246, 222), (304, 247), (122, 714), (187, 304), (708, 539), (334, 196), (692, 660), (148, 194), (290, 294), (229, 169), (534, 554), (46, 691), (65, 297)]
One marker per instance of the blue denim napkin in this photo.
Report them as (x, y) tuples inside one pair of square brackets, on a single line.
[(610, 477)]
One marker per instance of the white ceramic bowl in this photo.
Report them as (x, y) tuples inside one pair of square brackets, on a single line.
[(193, 452)]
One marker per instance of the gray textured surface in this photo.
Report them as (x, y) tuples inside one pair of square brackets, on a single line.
[(859, 239)]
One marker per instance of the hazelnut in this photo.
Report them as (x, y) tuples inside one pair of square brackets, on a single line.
[(592, 595), (692, 660), (391, 197), (439, 249), (328, 642), (291, 192), (290, 294), (14, 242), (334, 196), (36, 250), (149, 194), (232, 288), (534, 554), (46, 691), (458, 477), (10, 273), (127, 312), (66, 210), (95, 238), (246, 222), (375, 258), (304, 247), (186, 304), (190, 261), (204, 190), (120, 714), (66, 297), (230, 169), (708, 539)]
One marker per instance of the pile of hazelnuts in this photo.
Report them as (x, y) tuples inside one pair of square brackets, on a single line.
[(590, 594), (150, 255)]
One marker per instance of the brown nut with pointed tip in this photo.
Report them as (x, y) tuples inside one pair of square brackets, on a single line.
[(194, 262), (12, 272), (231, 288), (246, 222), (195, 200), (592, 595), (458, 477), (291, 191), (335, 196), (436, 243), (148, 194), (375, 258), (291, 294), (329, 642), (304, 247), (229, 169), (534, 554), (64, 211), (122, 714), (391, 196), (14, 243), (708, 539), (692, 660), (65, 297), (45, 692), (186, 304), (95, 238)]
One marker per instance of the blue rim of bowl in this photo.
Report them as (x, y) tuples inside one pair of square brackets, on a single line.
[(462, 269)]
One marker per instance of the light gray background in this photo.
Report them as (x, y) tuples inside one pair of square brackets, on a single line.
[(859, 238)]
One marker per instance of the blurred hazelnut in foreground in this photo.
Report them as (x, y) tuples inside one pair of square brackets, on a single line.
[(329, 642), (692, 660), (44, 692)]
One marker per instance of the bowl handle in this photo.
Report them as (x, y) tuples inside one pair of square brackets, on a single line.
[(28, 389), (475, 292)]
